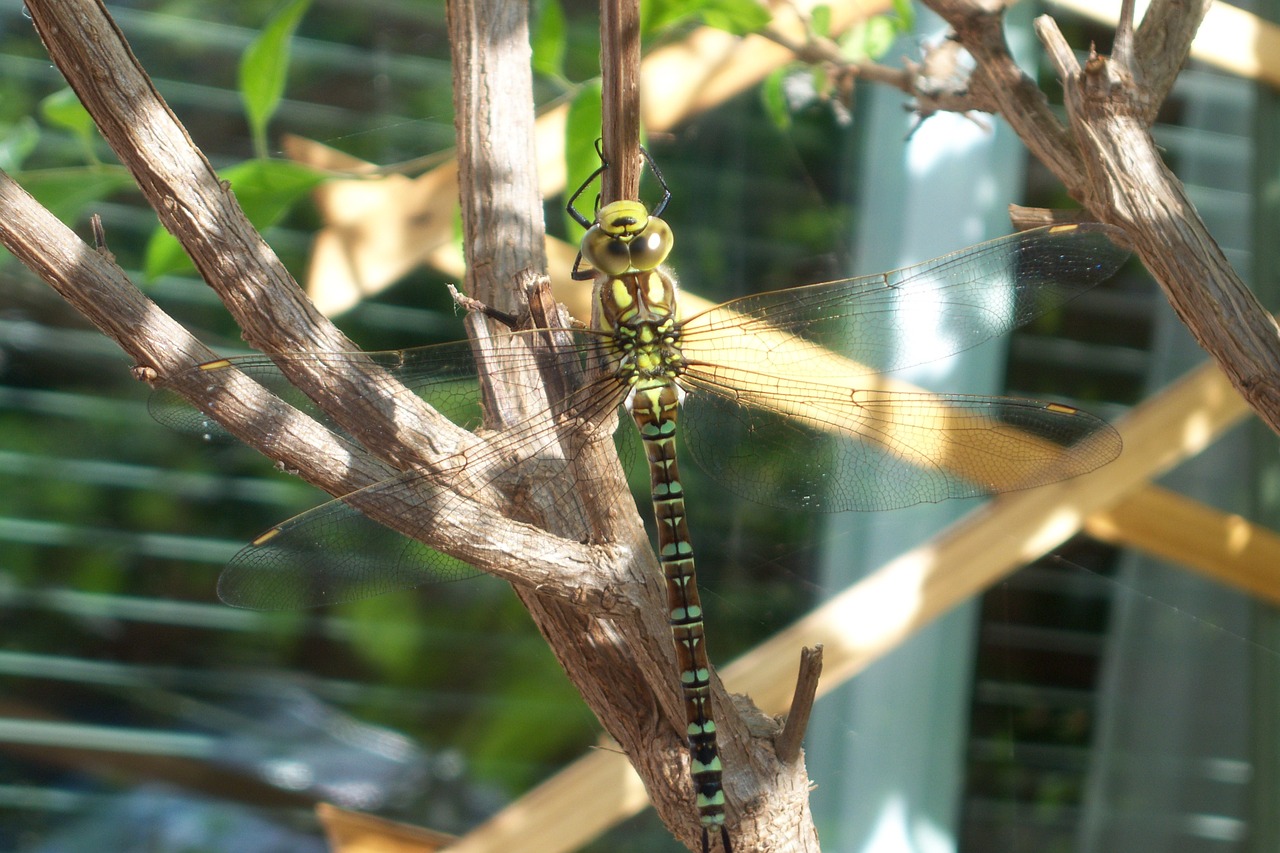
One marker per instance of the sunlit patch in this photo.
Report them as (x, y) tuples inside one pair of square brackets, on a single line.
[(1239, 534), (1057, 527), (1198, 432), (883, 608)]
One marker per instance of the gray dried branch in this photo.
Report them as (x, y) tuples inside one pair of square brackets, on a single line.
[(1106, 158)]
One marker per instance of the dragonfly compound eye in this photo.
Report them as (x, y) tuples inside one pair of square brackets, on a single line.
[(606, 252), (651, 246)]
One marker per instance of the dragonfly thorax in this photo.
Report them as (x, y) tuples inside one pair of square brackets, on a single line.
[(626, 239), (639, 310)]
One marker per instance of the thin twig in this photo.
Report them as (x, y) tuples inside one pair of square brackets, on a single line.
[(1122, 46), (620, 83), (1162, 44), (787, 744)]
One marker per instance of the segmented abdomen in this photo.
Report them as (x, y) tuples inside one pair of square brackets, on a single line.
[(655, 408)]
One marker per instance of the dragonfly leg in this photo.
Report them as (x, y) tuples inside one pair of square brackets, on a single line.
[(468, 303)]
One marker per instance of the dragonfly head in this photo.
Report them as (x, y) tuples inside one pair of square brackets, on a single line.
[(626, 238)]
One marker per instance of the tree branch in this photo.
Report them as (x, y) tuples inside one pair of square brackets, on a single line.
[(620, 99), (792, 734), (1107, 160)]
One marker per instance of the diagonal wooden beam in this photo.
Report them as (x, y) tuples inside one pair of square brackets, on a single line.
[(875, 615), (1226, 547)]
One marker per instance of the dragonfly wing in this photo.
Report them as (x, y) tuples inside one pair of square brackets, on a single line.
[(861, 326), (331, 554), (442, 375), (830, 448), (334, 552)]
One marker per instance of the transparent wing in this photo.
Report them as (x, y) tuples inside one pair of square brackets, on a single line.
[(444, 376), (829, 448), (760, 368), (793, 375), (910, 316), (336, 553)]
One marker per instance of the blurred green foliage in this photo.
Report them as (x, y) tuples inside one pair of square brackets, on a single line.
[(264, 68)]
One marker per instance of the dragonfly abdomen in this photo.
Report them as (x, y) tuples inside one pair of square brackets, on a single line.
[(655, 407)]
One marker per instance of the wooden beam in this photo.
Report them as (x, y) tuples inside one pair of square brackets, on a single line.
[(873, 616), (1225, 547)]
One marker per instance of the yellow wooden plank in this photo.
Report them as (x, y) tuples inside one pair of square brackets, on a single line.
[(1227, 548), (354, 832)]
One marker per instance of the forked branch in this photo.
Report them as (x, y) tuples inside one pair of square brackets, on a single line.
[(1107, 160)]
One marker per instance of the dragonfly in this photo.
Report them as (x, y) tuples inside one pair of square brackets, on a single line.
[(780, 396)]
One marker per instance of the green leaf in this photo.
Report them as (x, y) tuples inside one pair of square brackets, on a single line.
[(549, 40), (266, 190), (63, 109), (820, 20), (657, 15), (67, 192), (871, 39), (775, 101), (17, 141), (906, 13), (739, 17), (386, 632), (264, 67), (582, 129)]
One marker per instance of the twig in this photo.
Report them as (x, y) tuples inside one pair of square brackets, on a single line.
[(1162, 44), (1122, 47), (789, 739), (933, 83), (620, 93)]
